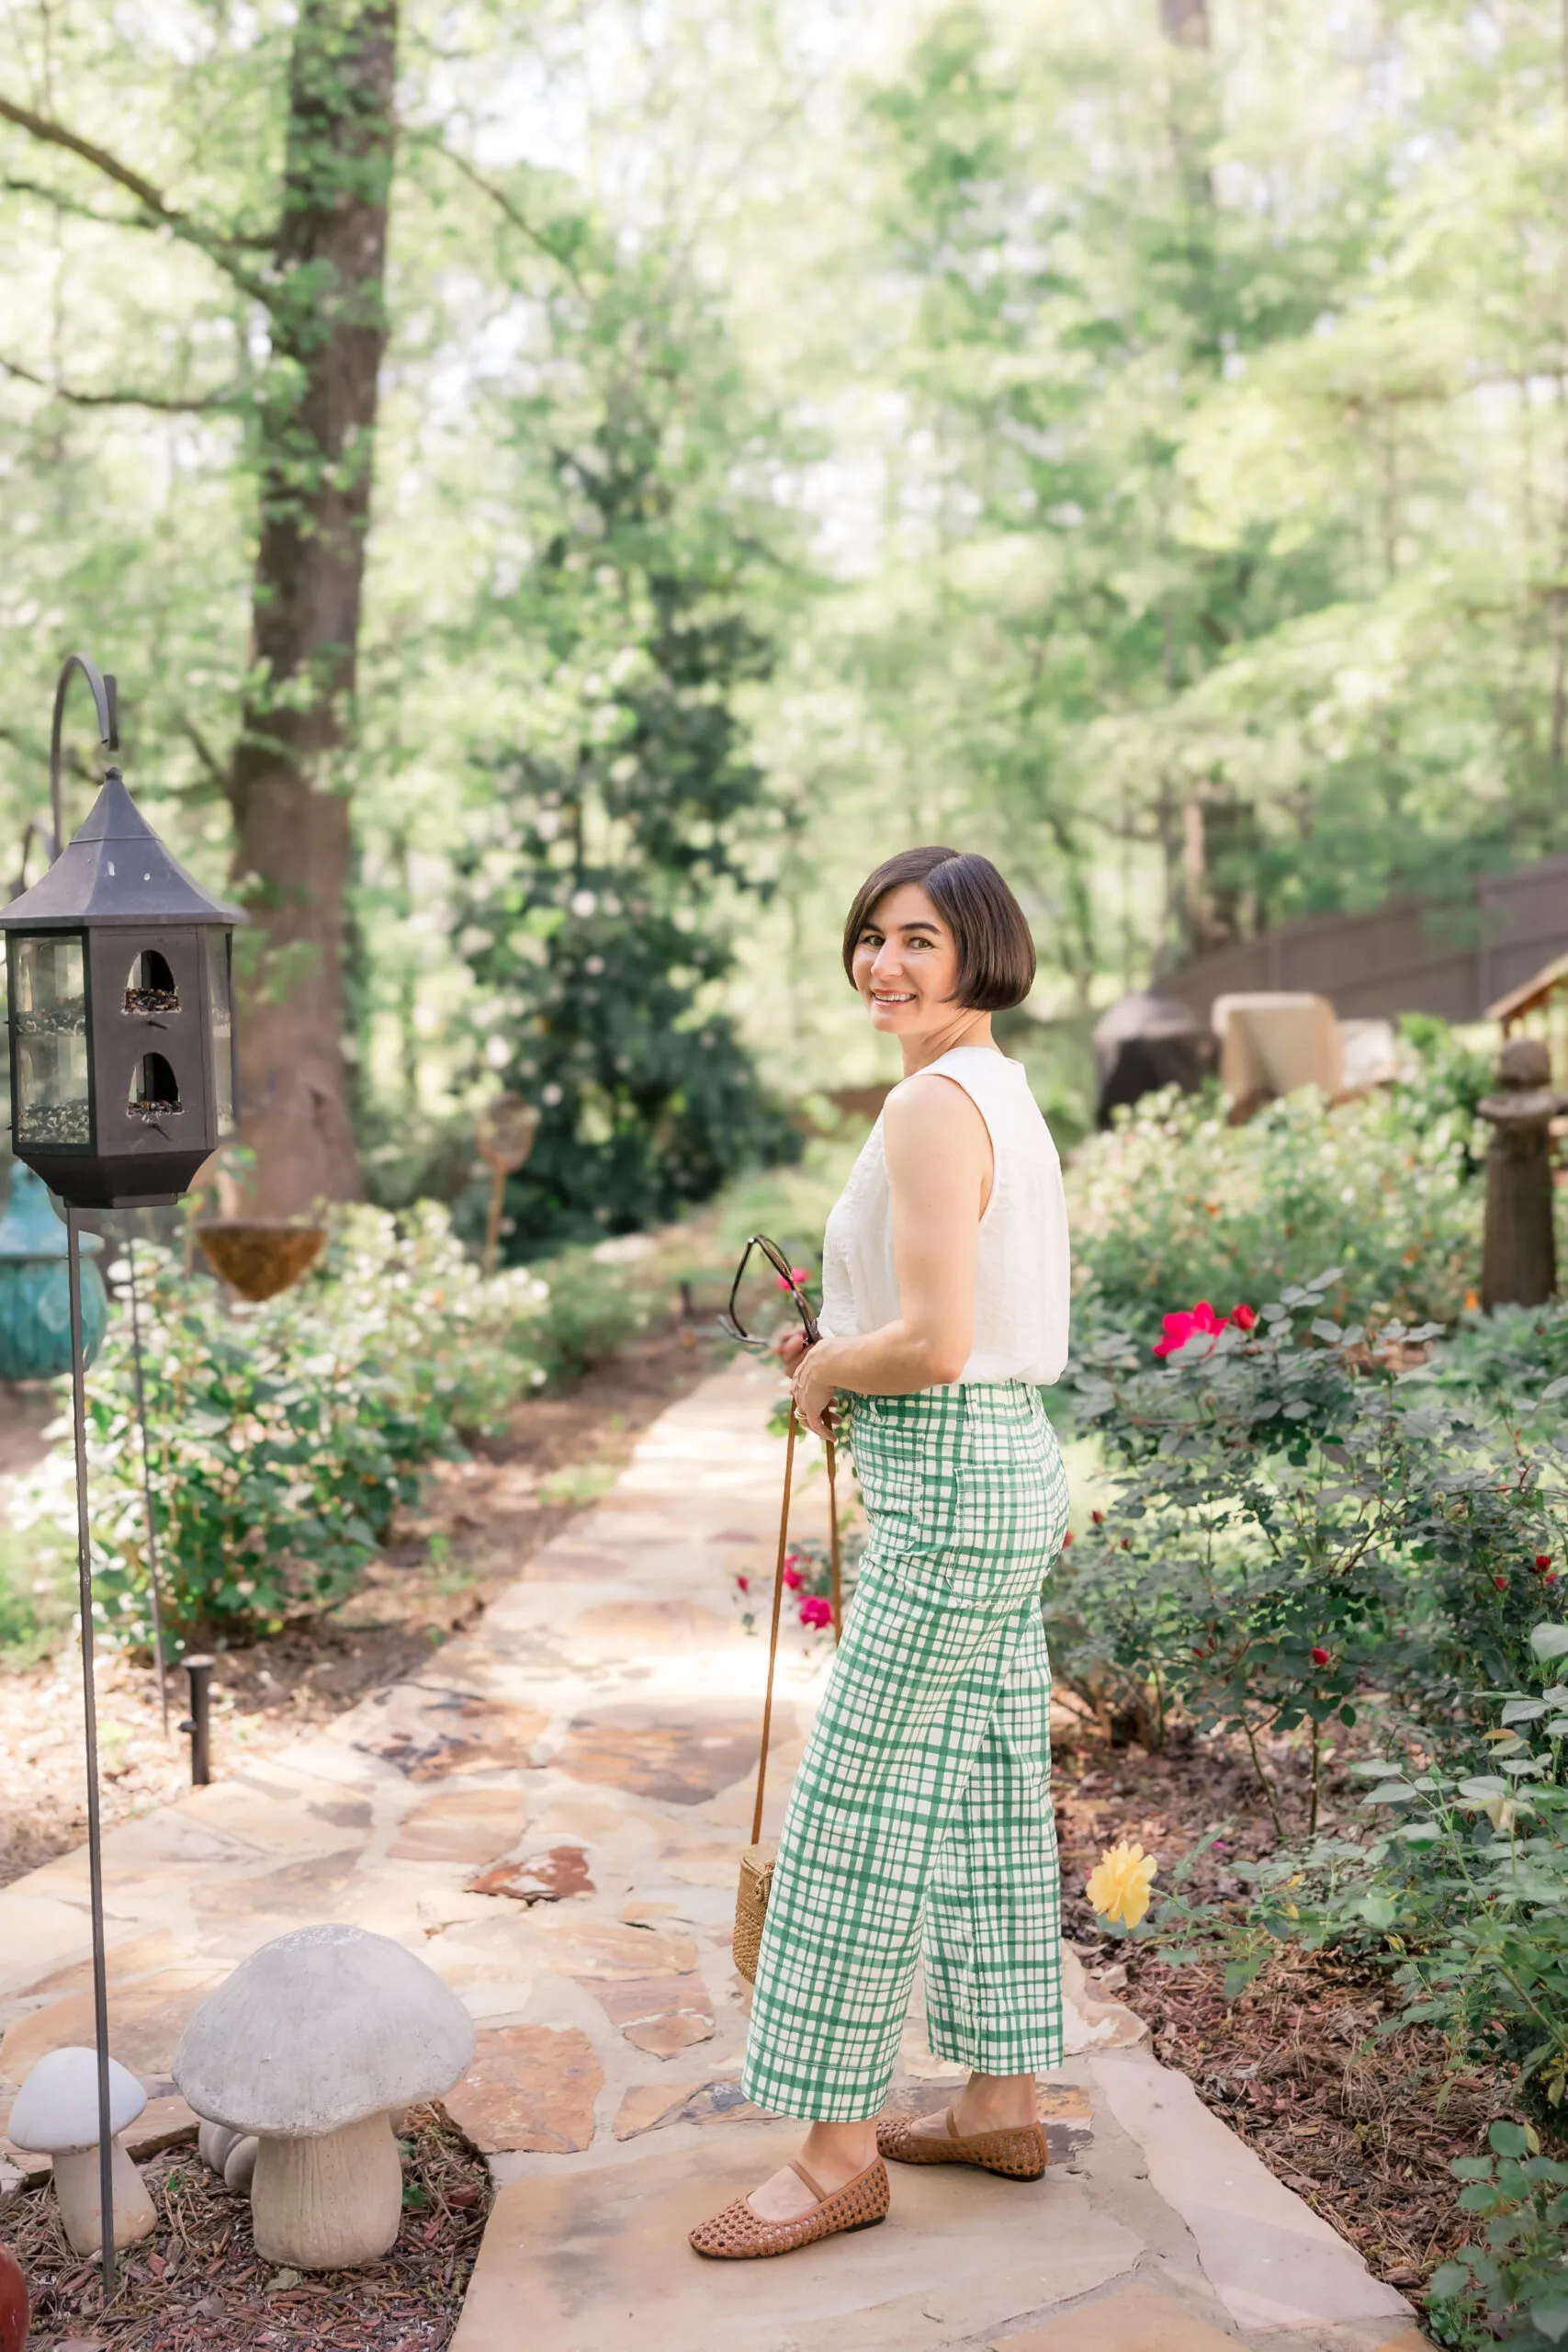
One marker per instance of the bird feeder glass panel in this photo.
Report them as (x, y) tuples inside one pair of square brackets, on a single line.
[(220, 996), (51, 1071)]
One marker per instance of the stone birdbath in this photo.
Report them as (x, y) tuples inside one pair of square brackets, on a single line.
[(35, 1311), (56, 2114), (310, 2047)]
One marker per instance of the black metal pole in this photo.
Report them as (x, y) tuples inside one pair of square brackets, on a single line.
[(153, 1579), (90, 1726), (199, 1723)]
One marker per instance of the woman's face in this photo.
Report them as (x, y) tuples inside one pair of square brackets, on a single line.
[(905, 961)]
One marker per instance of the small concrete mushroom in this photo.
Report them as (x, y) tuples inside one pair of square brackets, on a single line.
[(312, 2046), (231, 2154), (56, 2114)]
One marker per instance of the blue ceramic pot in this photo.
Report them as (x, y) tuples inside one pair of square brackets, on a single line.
[(35, 1298)]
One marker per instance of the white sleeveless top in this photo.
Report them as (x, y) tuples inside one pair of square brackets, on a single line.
[(1022, 1269)]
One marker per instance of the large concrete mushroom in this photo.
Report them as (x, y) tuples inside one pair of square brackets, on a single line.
[(311, 2045), (56, 2114)]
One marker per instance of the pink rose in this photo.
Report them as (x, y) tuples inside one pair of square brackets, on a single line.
[(793, 1578), (815, 1610), (1188, 1322)]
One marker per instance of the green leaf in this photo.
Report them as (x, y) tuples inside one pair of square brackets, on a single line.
[(1550, 1641), (1448, 2279), (1509, 2138)]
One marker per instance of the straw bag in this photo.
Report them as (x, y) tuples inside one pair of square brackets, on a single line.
[(757, 1859)]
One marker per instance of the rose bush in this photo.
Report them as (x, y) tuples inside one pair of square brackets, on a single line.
[(1175, 1204)]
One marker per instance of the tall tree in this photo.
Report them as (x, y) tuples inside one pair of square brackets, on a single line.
[(630, 808), (308, 268)]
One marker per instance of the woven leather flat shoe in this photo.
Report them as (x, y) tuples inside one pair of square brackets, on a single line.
[(1019, 2153), (739, 2236)]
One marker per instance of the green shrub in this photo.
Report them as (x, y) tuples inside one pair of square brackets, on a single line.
[(1291, 1521), (285, 1435), (1513, 2289), (1174, 1206), (585, 1313)]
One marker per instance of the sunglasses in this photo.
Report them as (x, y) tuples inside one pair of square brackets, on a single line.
[(730, 1322)]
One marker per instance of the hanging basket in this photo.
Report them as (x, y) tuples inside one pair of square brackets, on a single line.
[(259, 1257)]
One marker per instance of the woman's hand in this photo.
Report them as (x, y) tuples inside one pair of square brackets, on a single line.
[(814, 1386), (789, 1346)]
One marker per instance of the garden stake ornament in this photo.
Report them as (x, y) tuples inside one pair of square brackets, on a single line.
[(757, 1859), (122, 1085), (505, 1137)]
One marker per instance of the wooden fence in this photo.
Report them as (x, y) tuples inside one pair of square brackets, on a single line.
[(1410, 956)]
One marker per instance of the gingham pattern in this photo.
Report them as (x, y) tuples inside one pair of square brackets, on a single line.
[(923, 1800)]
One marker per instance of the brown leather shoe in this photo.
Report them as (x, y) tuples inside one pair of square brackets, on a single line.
[(1019, 2153), (739, 2236)]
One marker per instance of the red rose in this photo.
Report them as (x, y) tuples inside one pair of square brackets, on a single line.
[(1243, 1318), (1097, 1517), (1320, 1658), (793, 1578), (744, 1583), (1067, 1539), (1176, 1331), (1543, 1562), (1501, 1583), (814, 1610), (1127, 1543)]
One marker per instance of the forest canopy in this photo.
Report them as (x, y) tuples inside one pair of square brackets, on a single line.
[(667, 457)]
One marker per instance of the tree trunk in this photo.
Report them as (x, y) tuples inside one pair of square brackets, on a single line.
[(317, 436)]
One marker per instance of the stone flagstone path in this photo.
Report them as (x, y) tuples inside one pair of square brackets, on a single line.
[(550, 1815)]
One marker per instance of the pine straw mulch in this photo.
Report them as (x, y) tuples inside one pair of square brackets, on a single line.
[(1361, 2125), (195, 2285)]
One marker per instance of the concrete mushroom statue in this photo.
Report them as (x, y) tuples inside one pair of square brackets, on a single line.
[(231, 2155), (56, 2114), (311, 2046)]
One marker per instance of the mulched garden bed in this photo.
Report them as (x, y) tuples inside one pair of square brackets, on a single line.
[(1361, 2125), (196, 2284), (479, 1521)]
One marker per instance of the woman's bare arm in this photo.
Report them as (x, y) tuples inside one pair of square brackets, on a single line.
[(938, 1169)]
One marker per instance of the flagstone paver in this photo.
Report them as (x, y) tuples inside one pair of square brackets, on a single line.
[(551, 1812)]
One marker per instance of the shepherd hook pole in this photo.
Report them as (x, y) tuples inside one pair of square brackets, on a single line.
[(153, 1578), (90, 1724)]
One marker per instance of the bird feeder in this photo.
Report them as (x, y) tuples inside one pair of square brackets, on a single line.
[(122, 1084), (121, 1030)]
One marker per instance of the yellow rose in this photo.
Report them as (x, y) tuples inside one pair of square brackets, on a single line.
[(1119, 1885)]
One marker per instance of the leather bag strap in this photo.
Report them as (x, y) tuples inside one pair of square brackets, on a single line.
[(778, 1597)]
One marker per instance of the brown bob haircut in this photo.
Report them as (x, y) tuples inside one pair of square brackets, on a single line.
[(996, 953)]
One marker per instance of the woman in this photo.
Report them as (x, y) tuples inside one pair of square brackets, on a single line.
[(922, 1804)]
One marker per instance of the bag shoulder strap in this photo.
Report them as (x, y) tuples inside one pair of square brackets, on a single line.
[(778, 1597)]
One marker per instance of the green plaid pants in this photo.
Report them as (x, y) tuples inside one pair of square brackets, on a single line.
[(923, 1800)]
